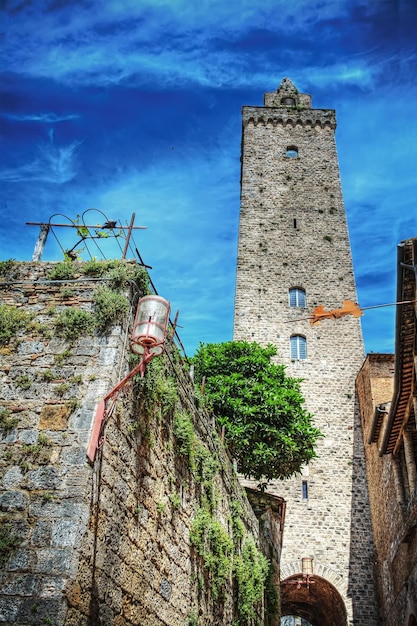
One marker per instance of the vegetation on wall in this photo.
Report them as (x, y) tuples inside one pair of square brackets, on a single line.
[(6, 267), (250, 569), (7, 422), (215, 548), (109, 305), (267, 430), (227, 556), (157, 391), (224, 554), (9, 541), (73, 323), (11, 321), (118, 272)]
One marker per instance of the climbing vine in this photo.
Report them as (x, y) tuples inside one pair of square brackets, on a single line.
[(228, 557)]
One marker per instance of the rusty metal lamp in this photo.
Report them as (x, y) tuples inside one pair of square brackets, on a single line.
[(307, 574), (147, 340)]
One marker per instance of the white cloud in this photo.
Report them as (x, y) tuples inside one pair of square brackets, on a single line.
[(47, 118), (55, 164), (169, 42)]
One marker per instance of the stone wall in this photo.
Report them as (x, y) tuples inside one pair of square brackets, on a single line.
[(393, 517), (108, 544)]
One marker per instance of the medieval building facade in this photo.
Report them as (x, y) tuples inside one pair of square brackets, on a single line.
[(386, 386), (293, 255)]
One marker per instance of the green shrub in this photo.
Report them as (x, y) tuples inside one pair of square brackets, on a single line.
[(6, 266), (47, 375), (74, 323), (60, 357), (64, 270), (110, 307), (8, 541), (157, 389), (7, 423), (24, 382), (11, 321), (66, 293), (95, 267), (61, 389), (121, 273), (175, 500)]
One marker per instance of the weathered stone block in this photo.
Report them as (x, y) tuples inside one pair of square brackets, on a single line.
[(41, 536), (41, 611), (13, 477), (19, 585), (45, 477), (9, 608), (14, 501), (54, 417), (55, 561), (64, 533)]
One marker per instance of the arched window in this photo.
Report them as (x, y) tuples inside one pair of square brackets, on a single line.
[(298, 347), (292, 152), (288, 102), (297, 297)]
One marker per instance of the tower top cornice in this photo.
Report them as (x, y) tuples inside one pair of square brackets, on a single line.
[(282, 115)]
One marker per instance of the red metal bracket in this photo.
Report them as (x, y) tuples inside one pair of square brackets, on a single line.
[(103, 412)]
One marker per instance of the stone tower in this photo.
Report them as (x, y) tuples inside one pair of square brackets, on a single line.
[(294, 254)]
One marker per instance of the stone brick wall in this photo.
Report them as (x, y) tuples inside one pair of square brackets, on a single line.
[(392, 515), (108, 544), (293, 233), (50, 388)]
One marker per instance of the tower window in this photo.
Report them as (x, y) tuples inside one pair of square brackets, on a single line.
[(288, 102), (292, 152), (304, 486), (297, 297), (298, 347)]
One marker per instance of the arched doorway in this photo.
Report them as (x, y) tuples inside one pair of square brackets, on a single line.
[(318, 602)]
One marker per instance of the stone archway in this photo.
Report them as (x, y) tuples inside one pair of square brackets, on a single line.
[(319, 602)]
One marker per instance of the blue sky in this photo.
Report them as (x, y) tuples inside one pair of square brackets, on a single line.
[(135, 106)]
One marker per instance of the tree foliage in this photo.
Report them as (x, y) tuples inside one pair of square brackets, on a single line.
[(267, 429)]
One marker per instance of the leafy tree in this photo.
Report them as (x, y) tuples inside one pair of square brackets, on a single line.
[(267, 430)]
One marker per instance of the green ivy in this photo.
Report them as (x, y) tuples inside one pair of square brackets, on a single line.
[(250, 570), (184, 434), (215, 548)]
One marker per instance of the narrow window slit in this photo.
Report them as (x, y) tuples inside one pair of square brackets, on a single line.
[(305, 489)]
